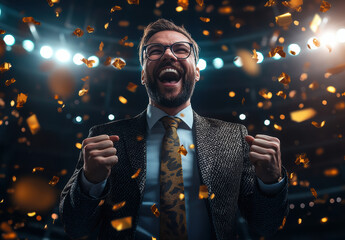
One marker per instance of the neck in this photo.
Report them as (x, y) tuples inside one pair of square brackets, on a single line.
[(171, 111)]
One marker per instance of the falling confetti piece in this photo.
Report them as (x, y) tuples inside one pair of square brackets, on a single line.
[(123, 100), (117, 206), (205, 19), (302, 159), (135, 175), (115, 8), (78, 32), (318, 125), (284, 20), (45, 226), (140, 138), (279, 50), (154, 210), (265, 94), (122, 223), (295, 4), (36, 169), (89, 63), (331, 172), (5, 67), (83, 92), (107, 61), (284, 78), (106, 25), (122, 41), (329, 47), (183, 5), (203, 192), (255, 56), (313, 191), (270, 3), (9, 82), (54, 181), (85, 78), (33, 124), (21, 100), (281, 94), (2, 31), (314, 85), (90, 29), (302, 115), (182, 150), (293, 52), (212, 196), (316, 42), (78, 145), (31, 214), (324, 220), (200, 2), (325, 6), (283, 223), (331, 89), (119, 63), (30, 20), (181, 196), (132, 87), (277, 127)]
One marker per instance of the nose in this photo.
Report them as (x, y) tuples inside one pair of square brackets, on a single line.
[(168, 54)]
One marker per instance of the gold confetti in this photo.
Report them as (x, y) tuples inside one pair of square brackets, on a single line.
[(277, 127), (123, 100), (293, 52), (200, 2), (316, 42), (205, 19), (117, 206), (203, 192), (140, 138), (154, 210), (90, 29), (78, 32), (283, 223), (192, 146), (54, 181), (45, 226), (101, 202), (106, 25), (85, 78), (212, 196), (132, 87), (284, 78), (182, 4), (255, 56), (279, 50), (313, 191), (314, 85), (31, 214), (33, 124), (122, 41), (331, 172), (30, 20), (284, 20), (122, 223), (331, 89), (315, 23), (318, 125), (325, 6), (294, 4), (89, 63), (302, 115), (135, 175), (243, 100), (2, 31), (299, 220), (21, 99), (182, 150), (265, 94), (270, 3), (9, 82), (324, 220), (115, 8), (119, 63), (78, 145), (5, 67), (225, 48), (281, 94), (181, 196), (107, 61), (83, 92), (302, 159)]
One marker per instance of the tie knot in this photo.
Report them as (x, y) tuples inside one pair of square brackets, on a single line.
[(170, 122)]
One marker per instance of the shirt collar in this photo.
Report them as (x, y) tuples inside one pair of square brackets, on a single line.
[(154, 114)]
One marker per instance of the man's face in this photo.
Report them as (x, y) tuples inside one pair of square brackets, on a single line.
[(169, 81)]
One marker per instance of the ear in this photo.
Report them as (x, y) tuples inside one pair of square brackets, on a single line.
[(197, 74), (143, 79)]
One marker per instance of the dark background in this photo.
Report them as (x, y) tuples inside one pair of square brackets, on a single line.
[(248, 25)]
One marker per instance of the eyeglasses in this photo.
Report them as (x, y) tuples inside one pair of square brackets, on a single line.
[(154, 51)]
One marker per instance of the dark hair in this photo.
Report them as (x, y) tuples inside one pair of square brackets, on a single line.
[(165, 25)]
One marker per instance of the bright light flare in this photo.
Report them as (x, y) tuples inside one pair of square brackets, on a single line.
[(341, 35), (28, 45), (267, 122), (277, 56), (202, 64), (111, 117), (295, 48), (218, 63), (311, 43), (9, 40), (238, 61), (63, 55), (96, 59), (242, 116), (260, 57), (77, 59), (328, 39), (46, 52)]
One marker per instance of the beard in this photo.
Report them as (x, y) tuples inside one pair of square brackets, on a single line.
[(160, 98)]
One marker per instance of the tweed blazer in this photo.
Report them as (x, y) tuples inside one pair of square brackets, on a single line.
[(224, 167)]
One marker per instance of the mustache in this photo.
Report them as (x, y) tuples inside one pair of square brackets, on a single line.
[(168, 63)]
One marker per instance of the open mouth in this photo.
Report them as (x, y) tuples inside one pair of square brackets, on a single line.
[(169, 75)]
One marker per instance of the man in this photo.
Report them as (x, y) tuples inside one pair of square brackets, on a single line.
[(218, 158)]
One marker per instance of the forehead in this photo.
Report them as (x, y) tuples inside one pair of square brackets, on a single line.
[(167, 37)]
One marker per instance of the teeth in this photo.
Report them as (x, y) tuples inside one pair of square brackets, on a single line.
[(167, 70)]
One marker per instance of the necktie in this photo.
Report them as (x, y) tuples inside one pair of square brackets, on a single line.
[(173, 224)]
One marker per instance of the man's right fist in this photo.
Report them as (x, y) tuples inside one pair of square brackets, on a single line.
[(99, 156)]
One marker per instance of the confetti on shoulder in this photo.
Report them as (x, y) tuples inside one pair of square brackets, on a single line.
[(135, 175)]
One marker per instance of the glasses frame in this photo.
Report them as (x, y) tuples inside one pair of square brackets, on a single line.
[(165, 48)]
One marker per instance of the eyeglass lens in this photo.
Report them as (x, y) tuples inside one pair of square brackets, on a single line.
[(180, 50)]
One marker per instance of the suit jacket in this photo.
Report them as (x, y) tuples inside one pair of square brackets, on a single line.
[(224, 167)]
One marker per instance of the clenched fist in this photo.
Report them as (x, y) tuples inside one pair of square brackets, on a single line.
[(99, 156), (266, 157)]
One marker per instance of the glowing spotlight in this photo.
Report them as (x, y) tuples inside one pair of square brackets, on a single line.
[(238, 61), (295, 48), (260, 57), (202, 64), (9, 40), (0, 11), (96, 59), (267, 122), (218, 63), (77, 59), (328, 40), (341, 35), (28, 45), (111, 117), (242, 116), (311, 43), (277, 56), (63, 55), (78, 119), (46, 52)]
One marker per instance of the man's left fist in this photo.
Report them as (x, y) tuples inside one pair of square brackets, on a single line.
[(265, 155)]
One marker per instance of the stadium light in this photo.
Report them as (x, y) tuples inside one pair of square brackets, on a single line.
[(295, 48), (77, 59), (28, 45), (218, 63), (63, 55), (202, 64), (9, 40), (96, 59), (46, 52)]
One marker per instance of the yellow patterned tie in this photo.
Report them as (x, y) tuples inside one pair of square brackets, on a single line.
[(173, 224)]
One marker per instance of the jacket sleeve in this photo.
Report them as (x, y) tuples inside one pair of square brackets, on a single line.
[(79, 212), (264, 213)]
